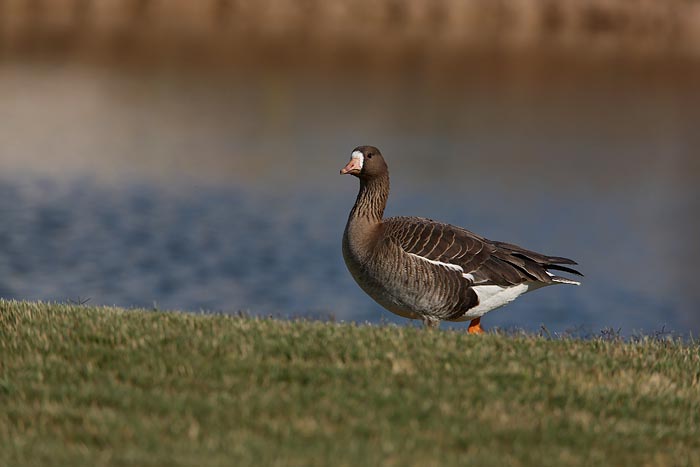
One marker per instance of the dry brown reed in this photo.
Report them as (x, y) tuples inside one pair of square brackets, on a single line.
[(225, 30)]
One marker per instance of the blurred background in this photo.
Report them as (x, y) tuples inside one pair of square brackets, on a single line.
[(184, 155)]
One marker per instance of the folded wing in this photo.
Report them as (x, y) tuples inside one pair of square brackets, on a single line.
[(484, 262)]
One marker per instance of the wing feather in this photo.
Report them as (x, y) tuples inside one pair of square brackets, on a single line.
[(489, 262)]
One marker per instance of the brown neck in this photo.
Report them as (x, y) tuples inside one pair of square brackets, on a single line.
[(371, 200)]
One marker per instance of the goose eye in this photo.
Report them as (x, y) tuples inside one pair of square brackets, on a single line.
[(369, 156)]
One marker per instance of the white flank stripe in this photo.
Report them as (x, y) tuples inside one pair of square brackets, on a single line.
[(359, 156), (454, 267), (469, 277)]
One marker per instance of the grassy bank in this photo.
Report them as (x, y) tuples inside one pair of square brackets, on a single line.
[(102, 386)]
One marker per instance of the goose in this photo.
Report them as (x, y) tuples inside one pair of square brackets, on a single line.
[(422, 269)]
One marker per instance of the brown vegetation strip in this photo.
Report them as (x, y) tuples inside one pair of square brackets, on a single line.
[(426, 28)]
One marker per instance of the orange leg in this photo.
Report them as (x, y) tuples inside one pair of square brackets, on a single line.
[(475, 327)]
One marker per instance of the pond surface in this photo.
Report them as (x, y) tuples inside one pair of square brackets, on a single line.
[(220, 191)]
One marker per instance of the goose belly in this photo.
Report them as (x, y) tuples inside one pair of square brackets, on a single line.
[(376, 288), (400, 290)]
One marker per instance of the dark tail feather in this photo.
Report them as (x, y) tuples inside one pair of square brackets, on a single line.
[(560, 260), (557, 267), (549, 262), (543, 261)]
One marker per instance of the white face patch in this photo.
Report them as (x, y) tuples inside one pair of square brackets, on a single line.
[(359, 156)]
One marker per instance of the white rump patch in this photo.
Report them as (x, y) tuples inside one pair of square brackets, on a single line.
[(359, 156), (495, 296), (453, 267)]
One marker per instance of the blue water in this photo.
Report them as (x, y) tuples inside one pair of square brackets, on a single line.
[(214, 194), (225, 249)]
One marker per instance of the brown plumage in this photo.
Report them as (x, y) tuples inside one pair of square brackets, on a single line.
[(422, 269)]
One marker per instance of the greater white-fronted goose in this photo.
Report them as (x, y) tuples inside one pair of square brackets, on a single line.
[(421, 269)]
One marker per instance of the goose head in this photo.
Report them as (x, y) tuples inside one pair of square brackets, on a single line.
[(366, 162)]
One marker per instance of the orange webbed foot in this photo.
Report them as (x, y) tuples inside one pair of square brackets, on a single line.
[(475, 327)]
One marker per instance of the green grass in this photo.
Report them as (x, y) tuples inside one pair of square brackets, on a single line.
[(104, 386)]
